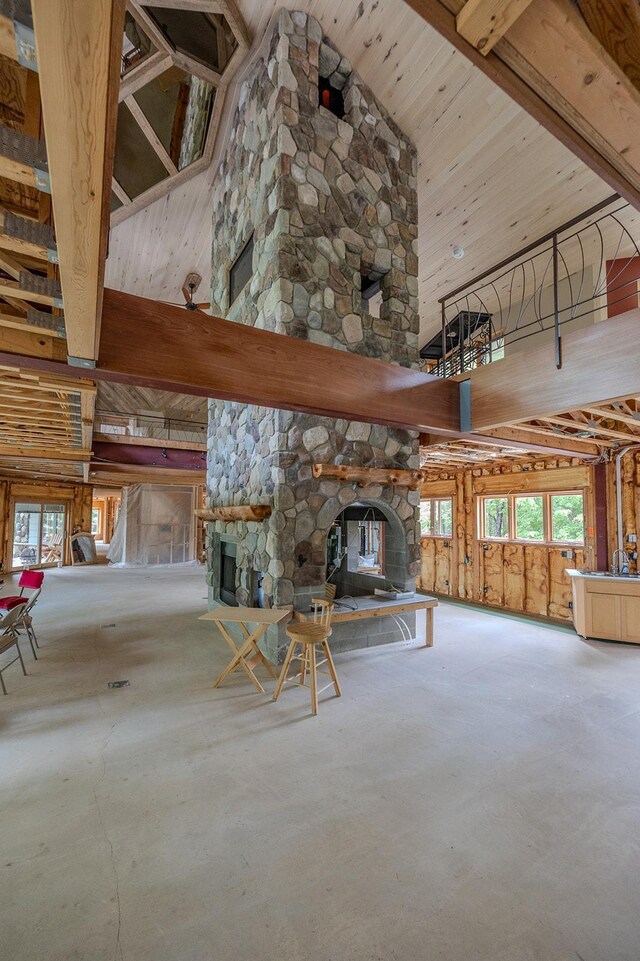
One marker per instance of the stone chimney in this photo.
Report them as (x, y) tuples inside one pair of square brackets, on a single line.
[(314, 237)]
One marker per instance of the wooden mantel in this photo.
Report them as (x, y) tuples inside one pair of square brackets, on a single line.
[(242, 512), (363, 476)]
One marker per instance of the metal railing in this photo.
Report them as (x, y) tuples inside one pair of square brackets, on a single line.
[(149, 426), (584, 271)]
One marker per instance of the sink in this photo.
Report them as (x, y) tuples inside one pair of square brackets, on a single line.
[(607, 574)]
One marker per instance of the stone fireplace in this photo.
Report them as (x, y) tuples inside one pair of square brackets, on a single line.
[(314, 237)]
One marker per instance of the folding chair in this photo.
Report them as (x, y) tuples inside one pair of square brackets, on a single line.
[(29, 581), (9, 639)]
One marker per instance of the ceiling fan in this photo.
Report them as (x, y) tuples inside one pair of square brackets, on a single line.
[(189, 288)]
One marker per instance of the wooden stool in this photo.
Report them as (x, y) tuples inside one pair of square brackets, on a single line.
[(307, 635)]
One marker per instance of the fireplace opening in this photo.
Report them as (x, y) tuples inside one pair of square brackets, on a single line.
[(366, 549), (228, 554), (330, 97)]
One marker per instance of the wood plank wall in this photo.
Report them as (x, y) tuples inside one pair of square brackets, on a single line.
[(527, 578), (77, 497)]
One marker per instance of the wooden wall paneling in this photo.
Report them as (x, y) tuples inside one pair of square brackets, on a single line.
[(491, 556), (514, 580), (443, 557), (428, 564), (536, 569)]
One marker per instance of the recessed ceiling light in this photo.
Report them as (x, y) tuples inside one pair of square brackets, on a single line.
[(457, 253)]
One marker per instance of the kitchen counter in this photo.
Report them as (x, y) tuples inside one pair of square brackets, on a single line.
[(606, 606)]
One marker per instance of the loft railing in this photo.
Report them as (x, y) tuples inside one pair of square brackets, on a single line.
[(120, 424), (584, 271)]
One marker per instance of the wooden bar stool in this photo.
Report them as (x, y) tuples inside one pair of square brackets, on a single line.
[(306, 636)]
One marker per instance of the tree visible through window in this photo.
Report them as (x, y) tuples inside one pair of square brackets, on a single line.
[(567, 517), (549, 518), (436, 517), (529, 519), (496, 517)]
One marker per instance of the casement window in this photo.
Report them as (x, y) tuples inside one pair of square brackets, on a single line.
[(436, 517), (533, 518)]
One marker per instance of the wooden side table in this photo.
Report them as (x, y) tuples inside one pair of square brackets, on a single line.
[(253, 622)]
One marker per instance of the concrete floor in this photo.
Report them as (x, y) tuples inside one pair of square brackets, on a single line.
[(480, 800)]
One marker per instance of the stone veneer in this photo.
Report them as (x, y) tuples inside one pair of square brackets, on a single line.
[(326, 200)]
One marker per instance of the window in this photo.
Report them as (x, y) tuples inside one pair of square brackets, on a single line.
[(241, 270), (529, 519), (436, 517), (540, 518), (330, 97), (496, 517), (96, 522), (567, 518)]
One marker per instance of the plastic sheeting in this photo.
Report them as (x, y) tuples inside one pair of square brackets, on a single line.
[(156, 525)]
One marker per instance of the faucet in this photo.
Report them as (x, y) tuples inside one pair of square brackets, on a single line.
[(619, 568)]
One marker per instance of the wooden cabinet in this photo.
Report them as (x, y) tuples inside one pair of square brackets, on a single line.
[(606, 608)]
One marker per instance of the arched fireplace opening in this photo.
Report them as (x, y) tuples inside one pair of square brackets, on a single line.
[(367, 550)]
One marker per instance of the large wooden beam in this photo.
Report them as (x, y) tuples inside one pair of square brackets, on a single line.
[(78, 49), (158, 345), (617, 27), (558, 97), (599, 365), (524, 439), (483, 22), (61, 454)]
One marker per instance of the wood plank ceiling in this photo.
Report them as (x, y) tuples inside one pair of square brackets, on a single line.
[(490, 178)]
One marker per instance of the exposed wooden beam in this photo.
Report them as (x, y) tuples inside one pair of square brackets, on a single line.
[(23, 159), (148, 442), (532, 91), (614, 414), (241, 512), (617, 26), (133, 474), (31, 342), (78, 47), (484, 22), (598, 367), (12, 288), (120, 193), (151, 135), (10, 265), (230, 361), (45, 453), (594, 427), (556, 434), (21, 323), (412, 479), (20, 246), (524, 439)]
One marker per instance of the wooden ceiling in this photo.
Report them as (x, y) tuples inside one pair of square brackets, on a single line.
[(490, 178), (592, 433)]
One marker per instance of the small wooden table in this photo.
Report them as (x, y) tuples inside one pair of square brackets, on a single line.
[(262, 618), (372, 606)]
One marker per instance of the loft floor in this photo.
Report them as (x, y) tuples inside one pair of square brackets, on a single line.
[(476, 801)]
